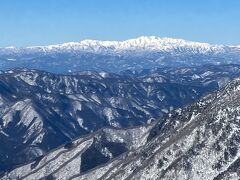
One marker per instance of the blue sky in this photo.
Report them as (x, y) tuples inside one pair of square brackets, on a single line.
[(42, 22)]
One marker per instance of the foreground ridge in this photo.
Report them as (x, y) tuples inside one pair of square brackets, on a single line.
[(200, 141)]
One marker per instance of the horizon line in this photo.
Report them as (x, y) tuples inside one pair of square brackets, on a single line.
[(112, 41)]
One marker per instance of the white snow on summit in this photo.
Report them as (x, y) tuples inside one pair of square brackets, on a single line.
[(143, 44)]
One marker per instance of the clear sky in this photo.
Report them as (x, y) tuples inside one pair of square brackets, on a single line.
[(42, 22)]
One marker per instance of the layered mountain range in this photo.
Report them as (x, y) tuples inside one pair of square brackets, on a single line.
[(134, 109), (114, 56), (40, 111), (199, 141)]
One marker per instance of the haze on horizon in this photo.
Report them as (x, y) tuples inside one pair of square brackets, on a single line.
[(30, 23)]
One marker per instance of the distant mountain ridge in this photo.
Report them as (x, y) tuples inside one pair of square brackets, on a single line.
[(115, 56), (143, 43)]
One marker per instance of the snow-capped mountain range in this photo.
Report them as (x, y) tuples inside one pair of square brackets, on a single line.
[(142, 44), (95, 102), (114, 56)]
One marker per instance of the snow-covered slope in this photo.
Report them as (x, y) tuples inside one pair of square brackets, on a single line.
[(147, 52), (33, 101), (200, 141), (83, 154), (40, 111)]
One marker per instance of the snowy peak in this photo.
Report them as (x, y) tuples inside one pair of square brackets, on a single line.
[(143, 43), (145, 52)]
